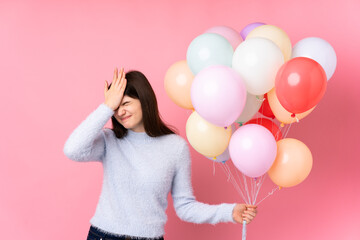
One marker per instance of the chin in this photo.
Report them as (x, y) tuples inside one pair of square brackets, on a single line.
[(127, 126)]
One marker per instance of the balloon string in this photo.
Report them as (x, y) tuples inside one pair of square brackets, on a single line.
[(239, 180), (213, 168), (277, 134), (229, 175), (269, 194), (254, 180), (288, 129), (260, 183), (253, 189), (244, 230), (238, 185), (246, 188)]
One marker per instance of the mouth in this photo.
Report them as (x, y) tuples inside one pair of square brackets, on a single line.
[(125, 118)]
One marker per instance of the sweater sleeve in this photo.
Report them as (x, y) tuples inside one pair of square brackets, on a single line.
[(185, 204), (86, 143)]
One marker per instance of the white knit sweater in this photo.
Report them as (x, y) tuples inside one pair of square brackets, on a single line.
[(139, 173)]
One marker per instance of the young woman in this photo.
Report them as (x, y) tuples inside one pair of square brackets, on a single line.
[(143, 160)]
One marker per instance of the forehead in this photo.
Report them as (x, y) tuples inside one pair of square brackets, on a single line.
[(128, 99)]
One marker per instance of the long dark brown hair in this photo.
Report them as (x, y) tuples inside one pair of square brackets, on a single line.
[(138, 87)]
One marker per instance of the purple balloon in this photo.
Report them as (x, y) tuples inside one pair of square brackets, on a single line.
[(253, 150), (218, 95), (246, 30)]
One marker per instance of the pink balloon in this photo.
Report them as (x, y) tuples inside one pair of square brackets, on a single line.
[(218, 95), (227, 32), (253, 150), (246, 30)]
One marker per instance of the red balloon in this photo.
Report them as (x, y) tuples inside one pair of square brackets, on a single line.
[(300, 84), (265, 108), (269, 125)]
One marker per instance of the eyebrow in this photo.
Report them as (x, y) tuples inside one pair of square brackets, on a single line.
[(125, 102)]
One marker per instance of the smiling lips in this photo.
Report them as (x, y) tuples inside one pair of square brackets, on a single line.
[(125, 118)]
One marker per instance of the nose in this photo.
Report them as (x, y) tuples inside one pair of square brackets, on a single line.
[(121, 111)]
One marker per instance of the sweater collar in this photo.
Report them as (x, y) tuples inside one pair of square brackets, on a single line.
[(140, 137)]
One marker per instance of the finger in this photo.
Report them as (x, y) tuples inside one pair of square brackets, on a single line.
[(123, 86), (115, 74), (250, 213), (252, 210), (122, 73), (248, 220), (106, 87), (250, 206), (120, 77), (250, 217)]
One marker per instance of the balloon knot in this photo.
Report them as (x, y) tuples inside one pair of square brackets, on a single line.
[(225, 127), (293, 115), (214, 158), (258, 98), (280, 188), (240, 124), (282, 125)]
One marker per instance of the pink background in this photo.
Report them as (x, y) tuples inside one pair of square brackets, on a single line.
[(55, 56)]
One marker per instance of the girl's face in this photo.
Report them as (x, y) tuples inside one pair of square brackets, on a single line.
[(129, 114)]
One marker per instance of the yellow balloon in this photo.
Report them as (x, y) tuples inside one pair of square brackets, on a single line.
[(206, 138), (275, 34), (292, 164), (178, 80), (280, 112)]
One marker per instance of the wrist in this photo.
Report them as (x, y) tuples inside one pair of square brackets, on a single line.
[(109, 105)]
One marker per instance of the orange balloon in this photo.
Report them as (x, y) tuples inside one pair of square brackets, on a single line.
[(280, 112), (178, 80), (292, 164), (206, 138)]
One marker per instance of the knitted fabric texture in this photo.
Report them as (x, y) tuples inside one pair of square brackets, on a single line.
[(139, 173)]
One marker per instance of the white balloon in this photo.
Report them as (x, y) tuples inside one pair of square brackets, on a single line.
[(319, 50), (252, 106), (208, 49), (258, 60)]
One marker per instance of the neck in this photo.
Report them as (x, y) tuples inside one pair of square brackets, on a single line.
[(138, 129)]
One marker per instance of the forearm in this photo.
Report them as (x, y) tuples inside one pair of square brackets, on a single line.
[(81, 143), (193, 211)]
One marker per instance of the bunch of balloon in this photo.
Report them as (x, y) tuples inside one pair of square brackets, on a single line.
[(251, 78)]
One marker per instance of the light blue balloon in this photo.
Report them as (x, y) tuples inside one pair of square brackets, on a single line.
[(207, 50)]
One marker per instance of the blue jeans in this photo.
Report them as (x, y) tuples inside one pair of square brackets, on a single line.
[(95, 234)]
